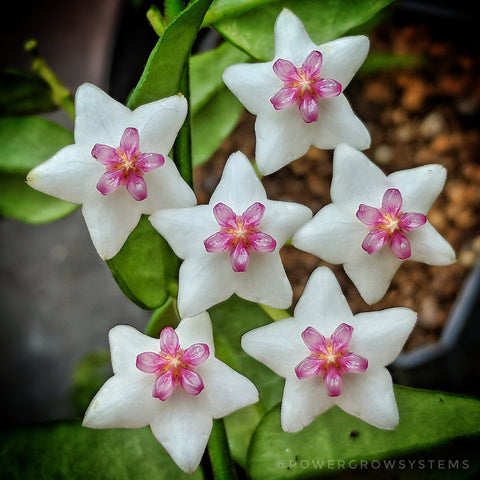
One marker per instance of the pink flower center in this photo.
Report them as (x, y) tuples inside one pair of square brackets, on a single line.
[(303, 86), (388, 225), (330, 358), (174, 366), (239, 235), (126, 165)]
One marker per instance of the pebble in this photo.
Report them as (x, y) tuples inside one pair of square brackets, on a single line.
[(429, 314), (383, 154), (432, 125)]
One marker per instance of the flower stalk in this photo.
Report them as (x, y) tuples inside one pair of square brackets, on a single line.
[(219, 453), (182, 148)]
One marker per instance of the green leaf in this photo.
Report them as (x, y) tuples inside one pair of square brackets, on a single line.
[(230, 320), (24, 143), (206, 71), (19, 201), (146, 267), (252, 29), (65, 449), (214, 108), (22, 93), (213, 123), (27, 141), (163, 71), (335, 439), (164, 316), (224, 8)]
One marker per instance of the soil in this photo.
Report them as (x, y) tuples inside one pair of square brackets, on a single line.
[(416, 115)]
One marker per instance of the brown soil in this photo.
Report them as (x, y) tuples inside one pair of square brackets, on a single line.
[(416, 116)]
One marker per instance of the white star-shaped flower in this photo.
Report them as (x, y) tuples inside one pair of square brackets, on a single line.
[(232, 244), (375, 222), (298, 96), (175, 385), (118, 168), (328, 356)]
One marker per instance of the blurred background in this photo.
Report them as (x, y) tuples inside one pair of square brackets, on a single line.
[(57, 298)]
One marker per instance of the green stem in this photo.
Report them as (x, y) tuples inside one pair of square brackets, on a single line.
[(182, 149), (156, 20), (219, 453)]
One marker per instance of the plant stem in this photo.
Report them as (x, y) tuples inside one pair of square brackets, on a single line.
[(182, 149), (219, 453)]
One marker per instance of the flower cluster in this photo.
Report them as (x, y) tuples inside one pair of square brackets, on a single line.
[(119, 169)]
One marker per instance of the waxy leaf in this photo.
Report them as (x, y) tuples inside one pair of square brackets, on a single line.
[(164, 69), (146, 267), (24, 143), (27, 141), (164, 316), (65, 449), (206, 71), (336, 440), (212, 124), (19, 201), (22, 93), (230, 320), (215, 111), (249, 25)]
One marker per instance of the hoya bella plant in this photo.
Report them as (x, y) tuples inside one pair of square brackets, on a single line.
[(223, 365)]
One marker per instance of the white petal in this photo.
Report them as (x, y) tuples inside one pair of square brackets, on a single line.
[(71, 175), (110, 220), (333, 235), (356, 180), (125, 344), (278, 345), (265, 281), (419, 186), (303, 401), (196, 329), (322, 304), (185, 229), (282, 219), (343, 57), (243, 79), (292, 41), (124, 401), (372, 274), (204, 281), (99, 118), (281, 137), (430, 247), (338, 123), (239, 186), (159, 122), (380, 336), (369, 396), (167, 189), (226, 389), (183, 428)]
